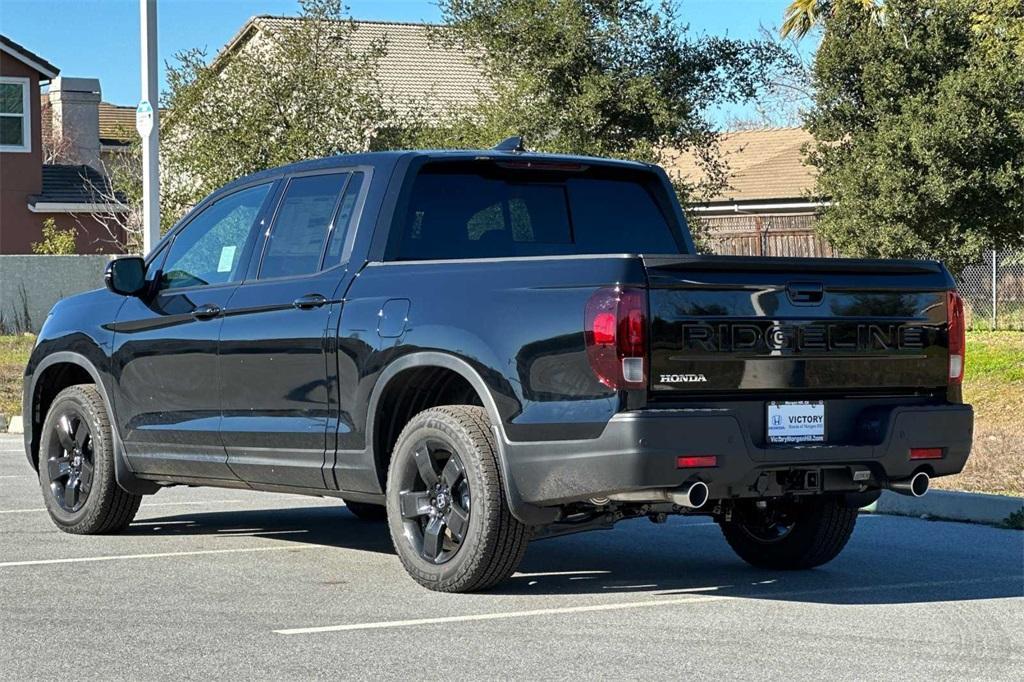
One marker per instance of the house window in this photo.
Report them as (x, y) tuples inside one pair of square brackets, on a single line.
[(15, 115)]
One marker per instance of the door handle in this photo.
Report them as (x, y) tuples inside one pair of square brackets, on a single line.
[(207, 311), (309, 301)]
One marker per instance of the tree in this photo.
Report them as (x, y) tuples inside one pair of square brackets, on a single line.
[(55, 241), (57, 146), (618, 78), (121, 193), (802, 16), (919, 129), (294, 94), (789, 92)]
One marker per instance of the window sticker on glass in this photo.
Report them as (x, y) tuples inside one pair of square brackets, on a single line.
[(227, 258)]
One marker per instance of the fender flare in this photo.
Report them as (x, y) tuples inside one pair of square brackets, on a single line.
[(123, 473), (529, 514)]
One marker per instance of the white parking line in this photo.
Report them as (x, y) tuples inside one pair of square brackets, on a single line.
[(620, 606), (155, 555), (18, 476), (145, 506), (261, 502), (497, 616)]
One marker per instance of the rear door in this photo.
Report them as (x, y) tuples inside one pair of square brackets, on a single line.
[(275, 350)]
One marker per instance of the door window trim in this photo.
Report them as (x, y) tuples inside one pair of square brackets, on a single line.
[(200, 209), (253, 274)]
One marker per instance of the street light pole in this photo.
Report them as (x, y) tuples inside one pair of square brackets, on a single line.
[(147, 122)]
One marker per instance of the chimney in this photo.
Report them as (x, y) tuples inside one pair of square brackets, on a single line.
[(74, 103)]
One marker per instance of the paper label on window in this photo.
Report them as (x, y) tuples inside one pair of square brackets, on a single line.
[(227, 259)]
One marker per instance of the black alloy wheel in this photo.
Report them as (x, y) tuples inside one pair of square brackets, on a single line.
[(448, 515), (790, 533), (70, 463), (77, 465), (769, 524), (436, 507)]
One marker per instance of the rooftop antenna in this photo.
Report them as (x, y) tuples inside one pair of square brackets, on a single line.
[(511, 144)]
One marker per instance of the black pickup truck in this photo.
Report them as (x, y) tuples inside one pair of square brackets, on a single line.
[(489, 347)]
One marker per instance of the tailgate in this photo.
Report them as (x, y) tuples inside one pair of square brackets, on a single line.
[(723, 323)]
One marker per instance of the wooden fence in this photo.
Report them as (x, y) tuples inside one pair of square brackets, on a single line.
[(765, 235)]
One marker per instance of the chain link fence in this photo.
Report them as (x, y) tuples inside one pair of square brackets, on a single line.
[(993, 291)]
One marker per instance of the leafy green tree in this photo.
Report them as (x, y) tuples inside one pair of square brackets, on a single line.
[(55, 241), (919, 128), (298, 93), (620, 78)]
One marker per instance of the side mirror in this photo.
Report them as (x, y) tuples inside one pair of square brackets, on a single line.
[(126, 276)]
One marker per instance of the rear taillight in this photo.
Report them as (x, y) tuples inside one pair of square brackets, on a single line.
[(696, 461), (616, 336), (957, 337), (925, 453)]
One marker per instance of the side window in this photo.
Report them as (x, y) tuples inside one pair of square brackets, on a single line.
[(297, 237), (209, 249), (343, 223)]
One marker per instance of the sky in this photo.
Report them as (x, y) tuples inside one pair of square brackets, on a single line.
[(100, 38)]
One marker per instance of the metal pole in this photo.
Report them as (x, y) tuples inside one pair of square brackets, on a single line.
[(995, 299), (150, 131)]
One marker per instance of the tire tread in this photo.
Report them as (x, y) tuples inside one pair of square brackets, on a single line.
[(116, 507), (827, 527), (503, 538)]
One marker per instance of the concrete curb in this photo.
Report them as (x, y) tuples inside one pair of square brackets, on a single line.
[(950, 505), (16, 425)]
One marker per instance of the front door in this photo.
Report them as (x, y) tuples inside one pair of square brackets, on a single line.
[(275, 348), (165, 345)]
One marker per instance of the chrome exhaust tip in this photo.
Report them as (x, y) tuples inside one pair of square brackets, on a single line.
[(693, 496), (915, 486)]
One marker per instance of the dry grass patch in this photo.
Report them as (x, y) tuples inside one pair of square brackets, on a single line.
[(994, 384), (14, 352)]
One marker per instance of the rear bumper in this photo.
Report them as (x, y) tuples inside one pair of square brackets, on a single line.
[(638, 451)]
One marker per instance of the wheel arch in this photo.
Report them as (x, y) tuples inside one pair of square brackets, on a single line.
[(454, 365), (53, 374)]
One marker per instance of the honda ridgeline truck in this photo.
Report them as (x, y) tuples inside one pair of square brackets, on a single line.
[(489, 347)]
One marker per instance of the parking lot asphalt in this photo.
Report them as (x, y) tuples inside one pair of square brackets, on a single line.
[(226, 583)]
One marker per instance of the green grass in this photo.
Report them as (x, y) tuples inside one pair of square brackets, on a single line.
[(995, 356), (14, 352)]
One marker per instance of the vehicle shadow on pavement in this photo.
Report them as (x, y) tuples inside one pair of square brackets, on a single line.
[(889, 560), (330, 526)]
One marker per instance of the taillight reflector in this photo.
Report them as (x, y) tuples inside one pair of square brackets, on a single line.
[(696, 461), (957, 332), (925, 453), (616, 336)]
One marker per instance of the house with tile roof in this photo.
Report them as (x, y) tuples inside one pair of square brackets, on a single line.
[(767, 207), (416, 69), (34, 188)]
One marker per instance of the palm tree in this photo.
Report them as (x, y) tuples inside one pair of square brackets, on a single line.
[(803, 15)]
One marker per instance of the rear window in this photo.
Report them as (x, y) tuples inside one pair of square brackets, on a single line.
[(483, 210)]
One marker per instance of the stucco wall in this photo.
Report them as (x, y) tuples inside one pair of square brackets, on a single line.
[(35, 283), (21, 173)]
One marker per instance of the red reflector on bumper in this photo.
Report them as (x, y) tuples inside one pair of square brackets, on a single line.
[(695, 462), (925, 453)]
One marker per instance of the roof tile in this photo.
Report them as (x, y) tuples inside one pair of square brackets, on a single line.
[(765, 164)]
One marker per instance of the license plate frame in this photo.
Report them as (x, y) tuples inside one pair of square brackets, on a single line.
[(809, 427)]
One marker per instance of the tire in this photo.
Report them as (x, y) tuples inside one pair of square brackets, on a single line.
[(95, 503), (457, 535), (364, 511), (816, 529)]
